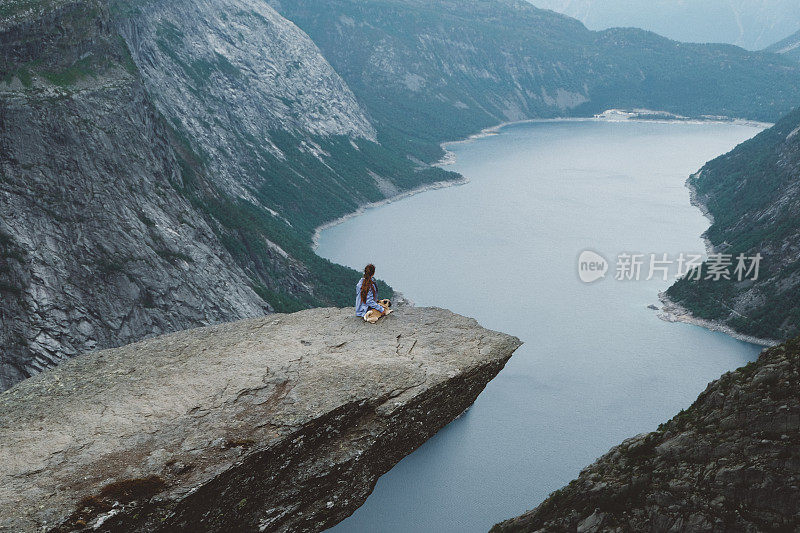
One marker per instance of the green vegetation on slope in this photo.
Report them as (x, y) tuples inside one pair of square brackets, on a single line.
[(753, 194), (251, 233), (69, 46), (265, 188)]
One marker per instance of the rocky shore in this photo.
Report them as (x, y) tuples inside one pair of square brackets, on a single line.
[(750, 197), (731, 462), (674, 312), (279, 423), (394, 198)]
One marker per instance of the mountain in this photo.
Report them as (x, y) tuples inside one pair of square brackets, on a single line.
[(150, 186), (164, 164), (753, 195), (728, 463), (789, 47), (97, 245), (433, 70), (751, 24)]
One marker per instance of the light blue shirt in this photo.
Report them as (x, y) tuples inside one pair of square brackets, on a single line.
[(361, 307)]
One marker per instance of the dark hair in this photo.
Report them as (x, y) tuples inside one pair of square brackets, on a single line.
[(368, 284)]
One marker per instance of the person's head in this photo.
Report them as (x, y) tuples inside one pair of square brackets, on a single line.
[(369, 271)]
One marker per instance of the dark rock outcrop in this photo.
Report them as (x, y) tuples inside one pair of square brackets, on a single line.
[(731, 462), (280, 423)]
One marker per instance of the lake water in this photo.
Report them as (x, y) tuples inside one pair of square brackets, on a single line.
[(597, 365)]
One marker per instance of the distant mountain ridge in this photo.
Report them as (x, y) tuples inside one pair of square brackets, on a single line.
[(444, 68), (790, 47), (751, 24)]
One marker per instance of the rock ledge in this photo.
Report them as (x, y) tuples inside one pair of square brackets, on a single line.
[(280, 423)]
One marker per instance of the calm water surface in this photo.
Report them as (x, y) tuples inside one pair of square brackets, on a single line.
[(597, 365)]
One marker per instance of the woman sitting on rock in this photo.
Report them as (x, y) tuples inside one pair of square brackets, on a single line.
[(367, 293)]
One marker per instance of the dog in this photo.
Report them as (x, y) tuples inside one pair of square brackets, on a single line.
[(373, 315)]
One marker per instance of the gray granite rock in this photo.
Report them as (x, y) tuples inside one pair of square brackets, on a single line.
[(98, 245), (279, 423), (121, 128), (255, 75)]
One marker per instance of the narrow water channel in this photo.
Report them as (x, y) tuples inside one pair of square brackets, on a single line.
[(597, 366)]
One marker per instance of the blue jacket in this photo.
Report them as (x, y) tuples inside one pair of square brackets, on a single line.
[(362, 308)]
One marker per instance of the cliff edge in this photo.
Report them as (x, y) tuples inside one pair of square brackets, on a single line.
[(279, 423), (731, 462)]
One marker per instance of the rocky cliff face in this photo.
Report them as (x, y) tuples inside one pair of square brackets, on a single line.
[(280, 423), (174, 187), (97, 247), (269, 121), (198, 57), (753, 195), (731, 462)]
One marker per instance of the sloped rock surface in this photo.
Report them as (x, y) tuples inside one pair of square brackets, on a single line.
[(98, 247), (731, 462), (142, 190), (280, 423), (232, 74)]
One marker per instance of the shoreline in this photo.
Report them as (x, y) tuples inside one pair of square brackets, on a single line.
[(449, 157), (614, 115), (610, 115), (397, 197), (694, 201), (674, 312)]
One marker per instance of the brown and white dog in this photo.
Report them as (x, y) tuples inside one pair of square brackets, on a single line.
[(373, 315)]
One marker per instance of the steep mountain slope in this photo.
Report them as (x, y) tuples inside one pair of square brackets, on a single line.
[(449, 67), (753, 194), (97, 247), (262, 114), (751, 24), (790, 47), (140, 204), (731, 462), (199, 56)]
